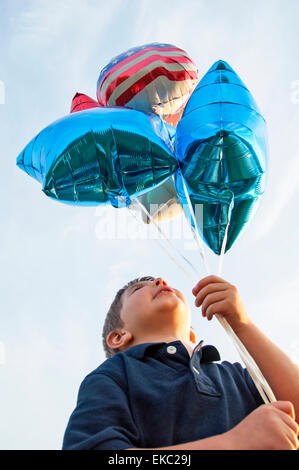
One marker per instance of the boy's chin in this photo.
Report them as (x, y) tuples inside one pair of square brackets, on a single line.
[(167, 300), (171, 306)]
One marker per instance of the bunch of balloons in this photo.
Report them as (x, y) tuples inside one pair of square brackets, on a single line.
[(158, 134)]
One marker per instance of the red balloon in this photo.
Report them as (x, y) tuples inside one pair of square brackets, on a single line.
[(81, 102)]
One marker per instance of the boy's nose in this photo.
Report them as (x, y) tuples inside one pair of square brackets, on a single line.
[(158, 281)]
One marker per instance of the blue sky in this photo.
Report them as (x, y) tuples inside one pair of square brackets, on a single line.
[(57, 276)]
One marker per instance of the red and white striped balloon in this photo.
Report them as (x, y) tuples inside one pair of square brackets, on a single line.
[(157, 78)]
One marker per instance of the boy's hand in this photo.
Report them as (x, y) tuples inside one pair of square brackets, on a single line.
[(268, 427), (217, 296)]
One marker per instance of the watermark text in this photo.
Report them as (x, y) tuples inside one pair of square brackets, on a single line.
[(119, 224)]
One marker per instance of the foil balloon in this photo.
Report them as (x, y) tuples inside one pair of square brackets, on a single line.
[(99, 156), (162, 201), (81, 102), (156, 78), (221, 146)]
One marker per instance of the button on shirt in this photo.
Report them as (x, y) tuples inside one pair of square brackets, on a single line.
[(155, 395)]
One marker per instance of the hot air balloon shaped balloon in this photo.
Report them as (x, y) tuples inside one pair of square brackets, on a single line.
[(156, 78), (100, 155), (221, 146)]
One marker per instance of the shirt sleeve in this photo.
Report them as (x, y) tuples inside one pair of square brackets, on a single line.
[(102, 419), (250, 383)]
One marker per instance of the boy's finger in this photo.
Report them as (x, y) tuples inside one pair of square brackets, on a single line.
[(214, 309), (211, 299), (204, 282), (209, 289), (286, 407)]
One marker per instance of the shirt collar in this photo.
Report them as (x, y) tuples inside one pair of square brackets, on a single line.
[(207, 353)]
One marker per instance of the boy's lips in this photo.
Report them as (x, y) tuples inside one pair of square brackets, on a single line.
[(165, 289)]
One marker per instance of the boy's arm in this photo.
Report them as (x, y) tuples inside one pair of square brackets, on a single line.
[(279, 370), (217, 296), (210, 443)]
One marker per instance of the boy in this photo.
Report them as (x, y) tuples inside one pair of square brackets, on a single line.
[(156, 391)]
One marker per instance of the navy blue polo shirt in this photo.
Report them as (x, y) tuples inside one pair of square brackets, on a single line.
[(155, 395)]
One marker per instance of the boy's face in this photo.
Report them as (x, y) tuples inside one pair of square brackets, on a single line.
[(149, 307)]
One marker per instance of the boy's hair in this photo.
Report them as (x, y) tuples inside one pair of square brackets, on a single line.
[(113, 319)]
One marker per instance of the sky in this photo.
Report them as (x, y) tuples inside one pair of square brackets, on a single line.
[(60, 265)]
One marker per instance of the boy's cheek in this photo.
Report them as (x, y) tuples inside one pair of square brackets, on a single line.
[(181, 296)]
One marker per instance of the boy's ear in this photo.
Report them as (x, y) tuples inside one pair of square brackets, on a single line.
[(192, 335), (116, 339)]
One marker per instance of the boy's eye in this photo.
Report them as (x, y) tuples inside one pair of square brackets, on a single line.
[(136, 288), (139, 286)]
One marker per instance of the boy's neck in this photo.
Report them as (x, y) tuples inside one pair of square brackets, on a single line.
[(169, 339)]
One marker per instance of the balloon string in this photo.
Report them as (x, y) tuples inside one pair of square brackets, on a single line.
[(223, 246), (253, 369), (195, 231), (165, 237), (258, 379)]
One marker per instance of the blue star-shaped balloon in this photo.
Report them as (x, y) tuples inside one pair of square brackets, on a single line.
[(221, 145), (100, 155)]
